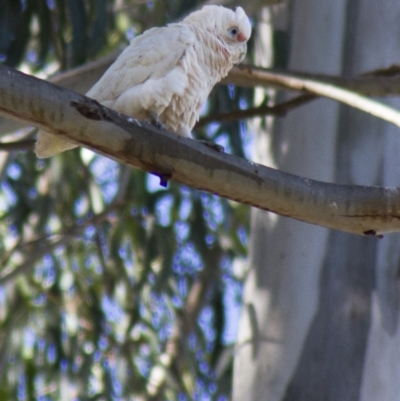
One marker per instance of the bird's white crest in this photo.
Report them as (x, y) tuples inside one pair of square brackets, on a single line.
[(166, 74), (218, 16)]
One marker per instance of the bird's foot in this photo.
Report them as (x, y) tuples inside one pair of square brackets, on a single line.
[(154, 120), (212, 145)]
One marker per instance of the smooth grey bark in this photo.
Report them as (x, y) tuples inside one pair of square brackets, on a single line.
[(281, 291), (80, 80), (321, 321), (357, 209)]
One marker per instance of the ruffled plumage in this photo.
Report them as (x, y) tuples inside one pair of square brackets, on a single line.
[(168, 72)]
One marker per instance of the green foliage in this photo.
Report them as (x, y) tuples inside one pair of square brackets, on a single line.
[(72, 29), (111, 286)]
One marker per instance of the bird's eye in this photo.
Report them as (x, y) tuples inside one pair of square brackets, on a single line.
[(233, 31)]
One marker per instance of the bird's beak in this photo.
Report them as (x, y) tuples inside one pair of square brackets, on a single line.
[(243, 51)]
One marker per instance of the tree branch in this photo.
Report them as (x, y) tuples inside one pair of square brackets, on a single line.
[(27, 144), (355, 209), (376, 83), (279, 110), (320, 87)]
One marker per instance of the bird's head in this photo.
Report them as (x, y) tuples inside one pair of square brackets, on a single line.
[(233, 28)]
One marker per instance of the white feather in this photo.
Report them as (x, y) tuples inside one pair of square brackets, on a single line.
[(168, 72)]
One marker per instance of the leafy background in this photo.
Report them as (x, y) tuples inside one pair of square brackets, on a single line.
[(112, 287)]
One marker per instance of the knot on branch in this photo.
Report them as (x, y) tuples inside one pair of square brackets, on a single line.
[(92, 110)]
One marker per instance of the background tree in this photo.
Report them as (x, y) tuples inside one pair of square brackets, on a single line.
[(320, 316)]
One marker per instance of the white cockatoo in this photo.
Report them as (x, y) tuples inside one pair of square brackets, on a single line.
[(166, 74)]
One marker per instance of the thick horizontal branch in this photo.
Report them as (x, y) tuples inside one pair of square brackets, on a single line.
[(356, 209), (79, 79)]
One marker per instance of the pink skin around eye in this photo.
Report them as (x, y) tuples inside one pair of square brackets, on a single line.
[(241, 37)]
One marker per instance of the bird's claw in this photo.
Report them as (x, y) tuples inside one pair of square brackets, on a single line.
[(154, 120)]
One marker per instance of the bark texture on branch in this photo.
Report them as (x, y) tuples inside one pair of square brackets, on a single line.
[(356, 209)]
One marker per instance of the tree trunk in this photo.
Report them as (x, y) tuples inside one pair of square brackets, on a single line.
[(320, 314)]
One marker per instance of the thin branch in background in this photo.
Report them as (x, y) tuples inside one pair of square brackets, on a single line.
[(279, 110), (35, 249), (319, 87), (19, 312), (377, 83), (391, 71), (186, 319), (27, 144)]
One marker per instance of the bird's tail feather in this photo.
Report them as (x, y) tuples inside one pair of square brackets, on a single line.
[(48, 145)]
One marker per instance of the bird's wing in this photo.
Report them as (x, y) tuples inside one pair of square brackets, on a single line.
[(149, 56)]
